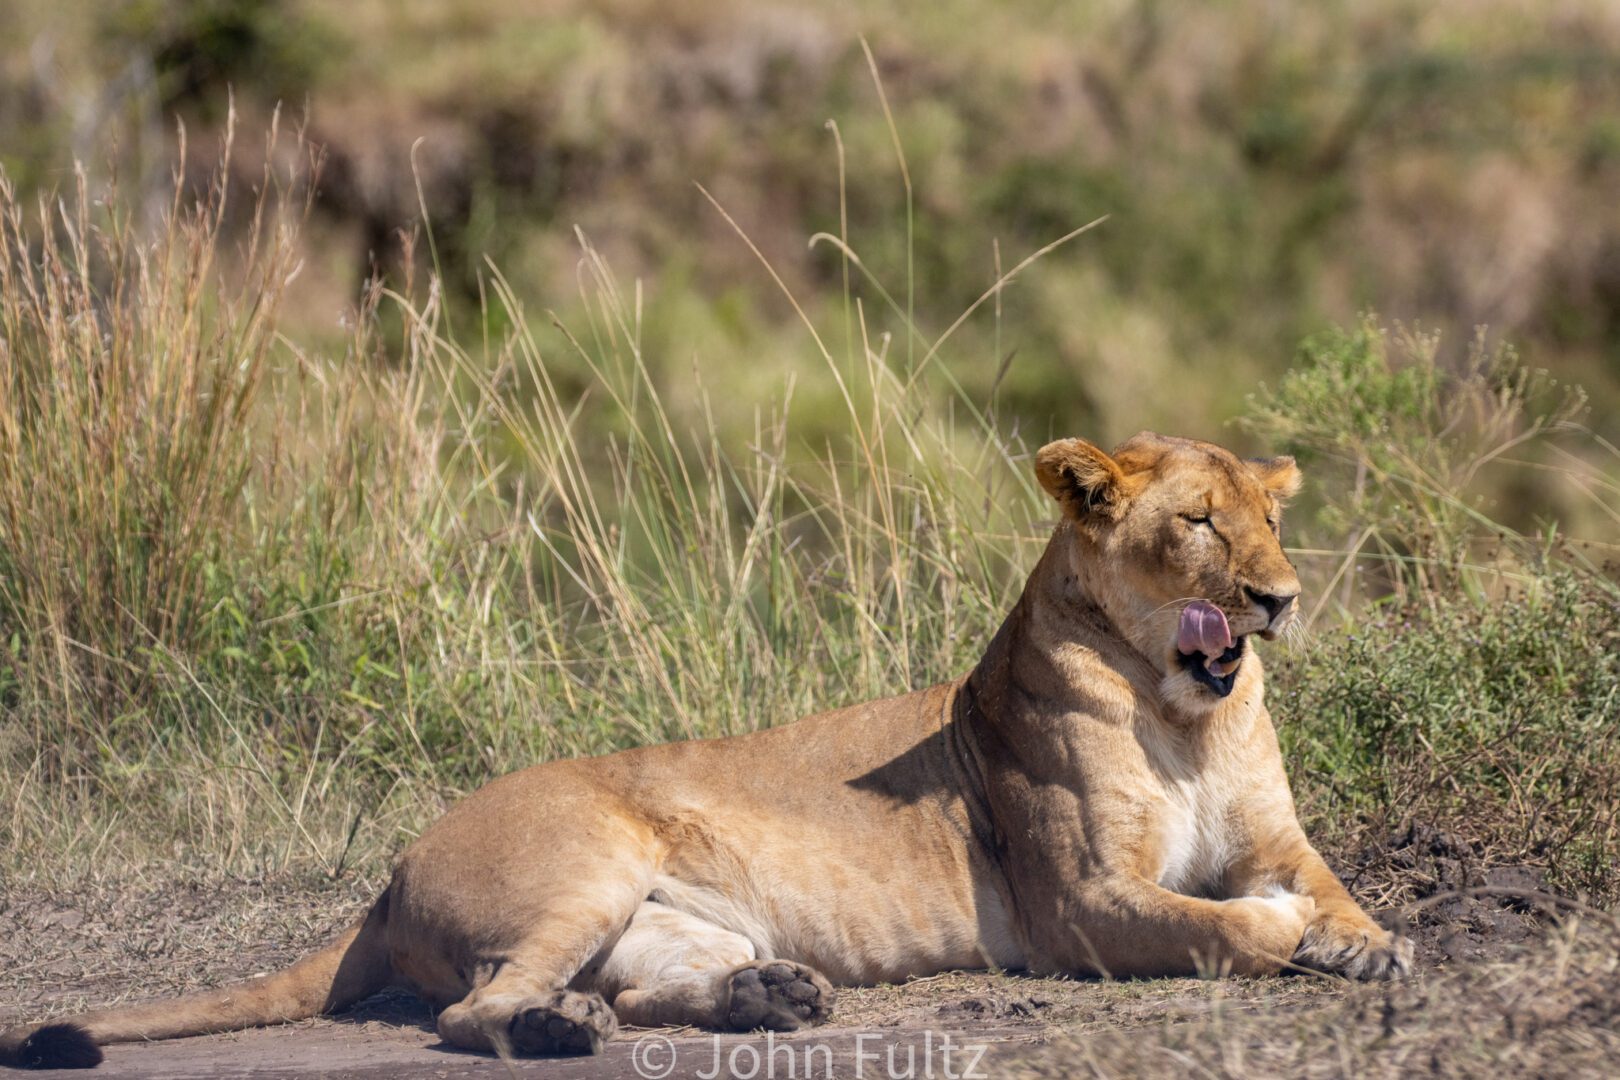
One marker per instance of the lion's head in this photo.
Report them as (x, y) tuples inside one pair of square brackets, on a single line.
[(1180, 543)]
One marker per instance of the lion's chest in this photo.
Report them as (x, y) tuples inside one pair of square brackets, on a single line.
[(1195, 838)]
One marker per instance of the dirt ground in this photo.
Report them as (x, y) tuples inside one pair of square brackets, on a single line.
[(105, 941)]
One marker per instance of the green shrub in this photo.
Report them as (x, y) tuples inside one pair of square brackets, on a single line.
[(1491, 720), (1404, 451)]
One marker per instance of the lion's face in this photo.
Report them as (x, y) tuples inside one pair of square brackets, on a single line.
[(1180, 542)]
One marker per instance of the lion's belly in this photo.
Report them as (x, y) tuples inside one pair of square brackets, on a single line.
[(874, 893), (841, 841), (853, 925)]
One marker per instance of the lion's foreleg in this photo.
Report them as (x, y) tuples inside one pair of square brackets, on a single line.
[(1341, 938), (1129, 926)]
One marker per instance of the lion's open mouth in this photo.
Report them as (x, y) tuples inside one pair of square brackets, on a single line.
[(1206, 646), (1219, 672)]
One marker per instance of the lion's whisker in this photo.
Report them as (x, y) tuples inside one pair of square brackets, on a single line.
[(1168, 603)]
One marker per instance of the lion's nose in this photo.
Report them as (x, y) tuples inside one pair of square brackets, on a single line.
[(1275, 605)]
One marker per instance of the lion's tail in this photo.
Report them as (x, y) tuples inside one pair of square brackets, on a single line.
[(353, 967)]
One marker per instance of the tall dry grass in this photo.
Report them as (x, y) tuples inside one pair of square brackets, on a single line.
[(270, 607), (276, 606), (128, 380)]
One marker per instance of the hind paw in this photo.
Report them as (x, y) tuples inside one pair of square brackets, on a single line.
[(562, 1023), (778, 995)]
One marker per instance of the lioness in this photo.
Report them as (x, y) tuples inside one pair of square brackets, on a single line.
[(1102, 794)]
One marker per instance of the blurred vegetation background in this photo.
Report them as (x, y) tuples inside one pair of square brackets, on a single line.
[(1269, 170), (554, 376)]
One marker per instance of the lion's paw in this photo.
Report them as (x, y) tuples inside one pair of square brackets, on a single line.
[(1358, 950), (562, 1022), (778, 995)]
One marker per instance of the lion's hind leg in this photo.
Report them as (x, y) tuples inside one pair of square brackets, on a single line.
[(513, 1014), (525, 1003), (672, 968)]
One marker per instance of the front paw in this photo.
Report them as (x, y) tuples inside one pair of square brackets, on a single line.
[(1358, 949)]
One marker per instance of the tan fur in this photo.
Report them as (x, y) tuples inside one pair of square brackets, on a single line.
[(1077, 803)]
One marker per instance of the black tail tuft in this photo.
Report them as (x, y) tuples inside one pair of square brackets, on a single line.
[(59, 1046)]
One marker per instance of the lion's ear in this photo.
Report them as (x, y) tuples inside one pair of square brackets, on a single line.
[(1279, 474), (1081, 477)]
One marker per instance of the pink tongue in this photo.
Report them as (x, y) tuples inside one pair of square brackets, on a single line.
[(1203, 630)]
